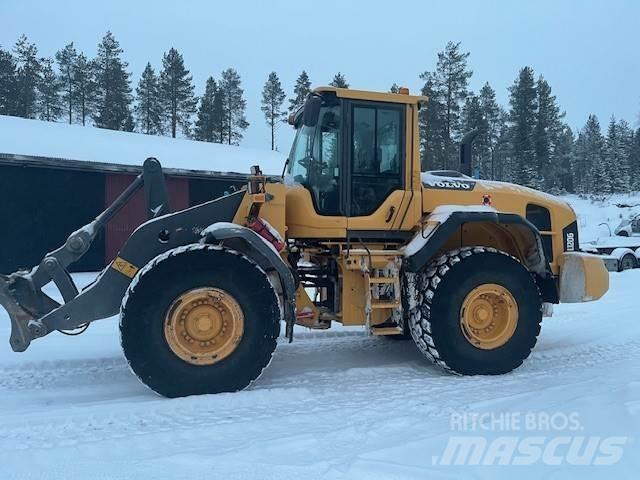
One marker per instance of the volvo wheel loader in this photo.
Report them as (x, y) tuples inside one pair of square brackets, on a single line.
[(352, 233)]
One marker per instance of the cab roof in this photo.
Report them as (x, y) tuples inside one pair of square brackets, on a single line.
[(373, 96)]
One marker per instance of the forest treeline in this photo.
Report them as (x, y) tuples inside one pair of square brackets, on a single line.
[(526, 141)]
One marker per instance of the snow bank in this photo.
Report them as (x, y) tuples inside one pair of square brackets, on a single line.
[(597, 219), (21, 136)]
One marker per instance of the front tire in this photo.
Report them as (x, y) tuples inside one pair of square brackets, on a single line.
[(199, 319), (475, 311)]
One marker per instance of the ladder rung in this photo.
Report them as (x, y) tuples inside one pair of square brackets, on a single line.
[(384, 279), (386, 330), (385, 304)]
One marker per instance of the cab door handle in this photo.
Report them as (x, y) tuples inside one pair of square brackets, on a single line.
[(392, 210)]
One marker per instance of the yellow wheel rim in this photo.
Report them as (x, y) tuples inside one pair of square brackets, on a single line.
[(204, 326), (489, 316)]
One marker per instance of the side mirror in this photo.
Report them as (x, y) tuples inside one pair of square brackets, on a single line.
[(466, 151), (311, 110)]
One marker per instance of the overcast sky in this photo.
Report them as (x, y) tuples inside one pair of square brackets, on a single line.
[(587, 50)]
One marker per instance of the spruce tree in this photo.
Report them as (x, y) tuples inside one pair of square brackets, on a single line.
[(27, 77), (564, 160), (449, 85), (67, 58), (339, 81), (8, 83), (548, 126), (596, 178), (84, 88), (523, 102), (395, 88), (177, 92), (431, 131), (616, 158), (626, 150), (234, 106), (634, 161), (272, 99), (148, 108), (301, 90), (210, 125), (494, 118), (49, 105), (113, 89)]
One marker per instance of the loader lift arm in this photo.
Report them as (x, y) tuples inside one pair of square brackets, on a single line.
[(21, 292)]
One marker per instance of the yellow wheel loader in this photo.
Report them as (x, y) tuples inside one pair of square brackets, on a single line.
[(353, 233)]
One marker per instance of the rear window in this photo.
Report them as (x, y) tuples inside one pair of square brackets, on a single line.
[(539, 216)]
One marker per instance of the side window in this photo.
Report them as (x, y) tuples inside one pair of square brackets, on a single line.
[(376, 155)]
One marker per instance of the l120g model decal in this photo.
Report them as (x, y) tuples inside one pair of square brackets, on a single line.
[(449, 184)]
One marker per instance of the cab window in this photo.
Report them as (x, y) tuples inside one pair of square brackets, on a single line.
[(314, 160), (376, 155)]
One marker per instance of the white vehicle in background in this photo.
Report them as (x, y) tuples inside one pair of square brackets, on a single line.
[(619, 253), (628, 227)]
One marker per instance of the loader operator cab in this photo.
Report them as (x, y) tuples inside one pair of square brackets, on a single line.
[(348, 153)]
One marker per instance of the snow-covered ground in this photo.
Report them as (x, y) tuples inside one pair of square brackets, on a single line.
[(335, 404)]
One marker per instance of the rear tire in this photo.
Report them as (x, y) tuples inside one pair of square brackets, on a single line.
[(437, 319), (627, 262), (148, 306)]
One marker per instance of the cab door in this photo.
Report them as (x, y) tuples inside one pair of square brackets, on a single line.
[(375, 150)]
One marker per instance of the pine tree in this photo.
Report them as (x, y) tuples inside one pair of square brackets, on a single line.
[(395, 88), (113, 89), (301, 90), (177, 92), (472, 118), (84, 88), (548, 126), (234, 106), (339, 81), (49, 103), (449, 85), (27, 77), (148, 108), (494, 117), (67, 58), (272, 99), (523, 118), (210, 125), (8, 83)]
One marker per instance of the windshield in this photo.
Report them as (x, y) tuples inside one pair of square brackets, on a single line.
[(313, 161)]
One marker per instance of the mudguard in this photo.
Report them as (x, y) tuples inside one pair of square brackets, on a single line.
[(264, 254), (431, 239)]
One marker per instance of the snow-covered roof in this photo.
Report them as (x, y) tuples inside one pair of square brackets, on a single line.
[(34, 138)]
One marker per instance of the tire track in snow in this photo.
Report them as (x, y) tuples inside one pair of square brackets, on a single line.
[(400, 384)]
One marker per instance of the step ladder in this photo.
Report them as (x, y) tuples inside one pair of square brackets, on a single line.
[(389, 300)]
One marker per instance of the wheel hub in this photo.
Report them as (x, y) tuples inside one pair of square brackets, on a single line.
[(489, 316), (204, 326)]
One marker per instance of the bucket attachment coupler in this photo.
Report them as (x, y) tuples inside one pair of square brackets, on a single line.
[(21, 292)]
